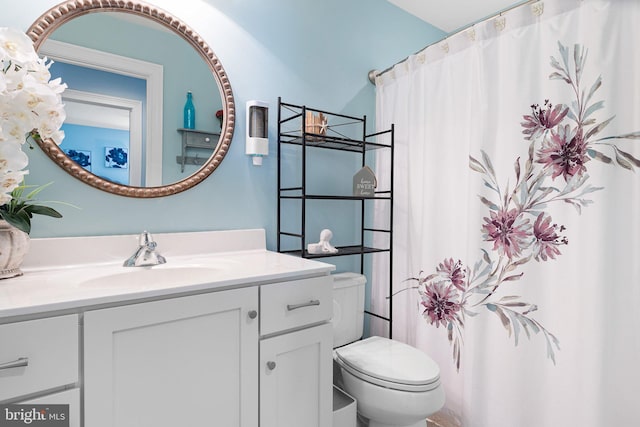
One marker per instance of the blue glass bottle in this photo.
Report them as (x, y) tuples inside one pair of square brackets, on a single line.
[(189, 113)]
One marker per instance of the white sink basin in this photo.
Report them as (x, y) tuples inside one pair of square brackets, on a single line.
[(162, 275)]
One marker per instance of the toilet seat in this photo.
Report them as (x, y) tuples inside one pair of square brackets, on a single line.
[(389, 364)]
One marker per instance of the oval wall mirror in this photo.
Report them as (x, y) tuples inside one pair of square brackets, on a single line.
[(128, 67)]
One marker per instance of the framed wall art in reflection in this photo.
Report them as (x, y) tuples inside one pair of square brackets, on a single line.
[(81, 157), (116, 157)]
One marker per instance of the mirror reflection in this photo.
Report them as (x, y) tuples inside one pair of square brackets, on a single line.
[(127, 90), (129, 67)]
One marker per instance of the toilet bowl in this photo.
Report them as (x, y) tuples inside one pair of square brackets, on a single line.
[(394, 384)]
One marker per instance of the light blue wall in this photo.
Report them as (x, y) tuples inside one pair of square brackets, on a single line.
[(308, 52)]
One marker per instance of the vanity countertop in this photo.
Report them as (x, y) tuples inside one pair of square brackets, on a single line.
[(66, 274)]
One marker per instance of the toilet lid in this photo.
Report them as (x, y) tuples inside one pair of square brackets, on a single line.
[(386, 361)]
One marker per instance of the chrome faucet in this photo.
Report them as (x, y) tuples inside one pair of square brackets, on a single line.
[(146, 254)]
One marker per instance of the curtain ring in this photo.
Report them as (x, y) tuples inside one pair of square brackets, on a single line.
[(537, 8)]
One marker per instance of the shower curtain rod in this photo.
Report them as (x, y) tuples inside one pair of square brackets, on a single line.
[(375, 73)]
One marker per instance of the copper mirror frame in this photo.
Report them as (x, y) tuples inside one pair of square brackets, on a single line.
[(48, 22)]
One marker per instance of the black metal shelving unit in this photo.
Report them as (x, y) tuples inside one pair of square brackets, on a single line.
[(343, 133)]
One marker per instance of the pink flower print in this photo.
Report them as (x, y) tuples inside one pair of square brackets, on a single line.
[(543, 118), (546, 240), (508, 231), (564, 152), (440, 303), (453, 271)]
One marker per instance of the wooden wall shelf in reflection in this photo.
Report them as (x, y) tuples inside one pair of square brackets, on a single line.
[(196, 140)]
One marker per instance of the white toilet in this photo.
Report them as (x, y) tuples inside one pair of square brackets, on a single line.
[(394, 384)]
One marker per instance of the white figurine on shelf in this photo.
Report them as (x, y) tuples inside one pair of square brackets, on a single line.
[(322, 247)]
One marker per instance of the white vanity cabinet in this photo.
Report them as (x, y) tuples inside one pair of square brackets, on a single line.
[(39, 363), (225, 334), (185, 361), (202, 359), (295, 353)]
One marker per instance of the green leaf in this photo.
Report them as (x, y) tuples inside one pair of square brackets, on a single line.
[(546, 191), (505, 320), (575, 205), (579, 58), (36, 190), (594, 130), (512, 278), (592, 108), (489, 185), (564, 54), (509, 298), (516, 326), (555, 64), (628, 156), (44, 210), (18, 221), (488, 203), (522, 261), (632, 135), (599, 156), (558, 76), (529, 164), (594, 87), (590, 189), (624, 163), (487, 162), (515, 304), (476, 165), (486, 257)]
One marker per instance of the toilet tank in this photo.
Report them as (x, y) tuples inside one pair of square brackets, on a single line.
[(348, 307)]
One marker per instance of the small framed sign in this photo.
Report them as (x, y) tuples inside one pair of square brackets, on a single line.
[(364, 182)]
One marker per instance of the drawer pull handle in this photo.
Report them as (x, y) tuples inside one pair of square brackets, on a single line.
[(253, 314), (291, 307), (23, 361), (271, 365)]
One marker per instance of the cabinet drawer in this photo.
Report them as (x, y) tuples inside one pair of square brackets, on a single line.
[(197, 139), (37, 355), (290, 305)]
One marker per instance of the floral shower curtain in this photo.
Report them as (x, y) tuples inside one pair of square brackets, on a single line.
[(517, 214)]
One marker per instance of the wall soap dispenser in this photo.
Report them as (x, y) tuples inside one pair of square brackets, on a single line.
[(257, 139), (189, 112)]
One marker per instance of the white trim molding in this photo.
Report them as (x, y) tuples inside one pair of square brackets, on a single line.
[(152, 73)]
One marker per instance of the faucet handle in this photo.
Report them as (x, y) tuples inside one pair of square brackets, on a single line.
[(146, 254), (145, 238), (146, 241)]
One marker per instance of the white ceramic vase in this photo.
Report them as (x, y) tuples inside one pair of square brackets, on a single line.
[(14, 245)]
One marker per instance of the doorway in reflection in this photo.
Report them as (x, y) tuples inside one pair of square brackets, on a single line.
[(105, 122)]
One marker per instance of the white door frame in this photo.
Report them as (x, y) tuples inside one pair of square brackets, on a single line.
[(152, 73), (133, 126)]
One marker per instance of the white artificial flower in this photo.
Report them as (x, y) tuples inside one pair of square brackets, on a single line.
[(12, 158), (29, 100), (10, 181), (16, 46)]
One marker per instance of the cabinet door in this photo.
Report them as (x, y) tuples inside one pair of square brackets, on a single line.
[(189, 361), (296, 379)]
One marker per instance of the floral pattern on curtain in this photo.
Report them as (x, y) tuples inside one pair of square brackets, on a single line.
[(516, 206), (563, 138)]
